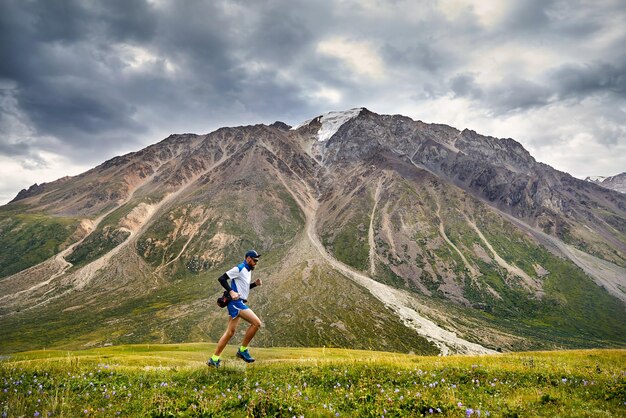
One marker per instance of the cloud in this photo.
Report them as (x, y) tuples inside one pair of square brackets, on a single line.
[(576, 80), (513, 94), (87, 80), (359, 57)]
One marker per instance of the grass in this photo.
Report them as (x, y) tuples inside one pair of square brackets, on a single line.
[(172, 381), (27, 239)]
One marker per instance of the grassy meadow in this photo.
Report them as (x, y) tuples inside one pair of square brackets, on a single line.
[(173, 381)]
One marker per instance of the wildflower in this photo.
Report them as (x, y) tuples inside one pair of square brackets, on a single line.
[(36, 414), (468, 412), (430, 411)]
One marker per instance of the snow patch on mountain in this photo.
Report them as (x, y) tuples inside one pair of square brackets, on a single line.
[(617, 182), (331, 122), (595, 179)]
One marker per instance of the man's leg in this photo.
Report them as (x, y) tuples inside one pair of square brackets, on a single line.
[(255, 324), (228, 334)]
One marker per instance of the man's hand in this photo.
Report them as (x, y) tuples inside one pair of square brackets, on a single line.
[(258, 282), (234, 295)]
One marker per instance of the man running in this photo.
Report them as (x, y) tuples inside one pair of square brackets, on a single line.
[(241, 283)]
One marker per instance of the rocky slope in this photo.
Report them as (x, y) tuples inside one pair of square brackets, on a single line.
[(617, 183), (378, 231)]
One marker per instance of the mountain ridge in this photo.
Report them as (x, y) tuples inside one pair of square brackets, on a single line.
[(468, 232), (616, 182)]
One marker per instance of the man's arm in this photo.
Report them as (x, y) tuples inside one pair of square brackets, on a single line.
[(224, 282)]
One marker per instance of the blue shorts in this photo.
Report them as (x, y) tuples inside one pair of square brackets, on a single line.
[(234, 306)]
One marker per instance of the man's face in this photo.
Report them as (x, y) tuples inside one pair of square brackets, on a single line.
[(252, 261)]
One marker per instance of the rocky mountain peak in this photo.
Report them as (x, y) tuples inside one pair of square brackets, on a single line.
[(329, 123), (391, 212), (617, 182), (281, 125)]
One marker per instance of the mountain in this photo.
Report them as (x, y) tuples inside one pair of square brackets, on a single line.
[(377, 232), (617, 182)]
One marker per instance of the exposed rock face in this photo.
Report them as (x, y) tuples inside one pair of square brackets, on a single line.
[(617, 183), (403, 218)]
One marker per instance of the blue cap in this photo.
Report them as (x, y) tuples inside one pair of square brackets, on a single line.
[(253, 254)]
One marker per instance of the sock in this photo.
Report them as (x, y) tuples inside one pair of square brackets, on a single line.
[(215, 358), (242, 348)]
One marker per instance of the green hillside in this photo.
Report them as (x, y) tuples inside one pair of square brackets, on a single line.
[(27, 239)]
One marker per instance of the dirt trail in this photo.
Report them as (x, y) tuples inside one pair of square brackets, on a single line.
[(398, 301), (58, 264)]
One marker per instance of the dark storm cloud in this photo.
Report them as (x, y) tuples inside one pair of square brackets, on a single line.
[(568, 82), (73, 82), (13, 150), (575, 80), (88, 78), (58, 56), (420, 55), (514, 94)]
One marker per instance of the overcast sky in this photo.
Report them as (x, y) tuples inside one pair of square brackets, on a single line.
[(82, 81)]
